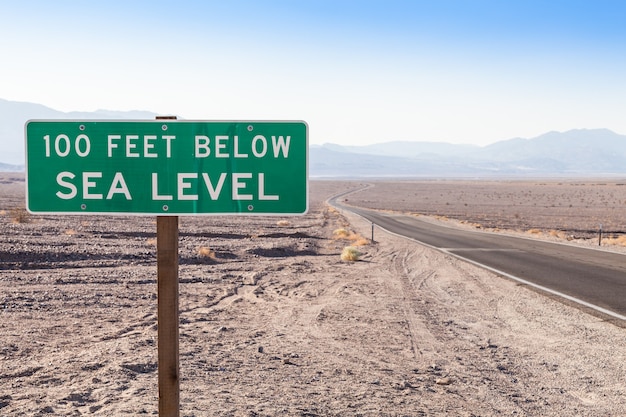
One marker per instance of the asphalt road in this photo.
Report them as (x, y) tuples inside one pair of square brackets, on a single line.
[(594, 278)]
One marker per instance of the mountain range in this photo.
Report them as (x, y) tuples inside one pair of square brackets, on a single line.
[(14, 114), (573, 153)]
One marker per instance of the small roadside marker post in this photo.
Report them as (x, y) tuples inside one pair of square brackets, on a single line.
[(167, 315), (600, 235)]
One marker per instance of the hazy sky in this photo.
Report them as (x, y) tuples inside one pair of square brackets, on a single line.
[(358, 71)]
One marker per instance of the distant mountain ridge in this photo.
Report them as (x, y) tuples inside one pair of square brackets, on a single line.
[(576, 152), (407, 149), (14, 114)]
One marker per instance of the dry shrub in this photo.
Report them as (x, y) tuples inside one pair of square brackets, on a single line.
[(206, 252), (534, 231), (344, 234), (70, 232), (351, 254), (472, 224), (152, 241), (283, 223), (617, 241), (360, 241), (341, 233), (557, 233), (19, 215)]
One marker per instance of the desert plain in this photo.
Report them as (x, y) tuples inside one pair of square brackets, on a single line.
[(274, 323)]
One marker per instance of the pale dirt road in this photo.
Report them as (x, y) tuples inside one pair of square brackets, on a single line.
[(276, 324)]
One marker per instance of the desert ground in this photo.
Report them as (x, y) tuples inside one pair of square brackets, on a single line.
[(275, 323)]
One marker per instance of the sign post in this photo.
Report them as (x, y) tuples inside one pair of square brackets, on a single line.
[(167, 315), (167, 168)]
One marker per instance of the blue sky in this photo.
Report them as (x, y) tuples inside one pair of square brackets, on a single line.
[(359, 72)]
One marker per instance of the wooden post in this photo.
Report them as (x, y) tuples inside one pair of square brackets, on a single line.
[(167, 316), (167, 276)]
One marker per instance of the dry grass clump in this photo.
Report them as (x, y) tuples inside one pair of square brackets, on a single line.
[(558, 234), (152, 241), (350, 254), (206, 252), (70, 232), (283, 223), (344, 234), (19, 215), (341, 233), (471, 224), (360, 241), (617, 241)]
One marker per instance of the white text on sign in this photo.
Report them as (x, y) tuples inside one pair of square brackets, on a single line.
[(89, 181), (153, 146)]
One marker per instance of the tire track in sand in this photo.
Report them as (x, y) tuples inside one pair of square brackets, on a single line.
[(406, 288)]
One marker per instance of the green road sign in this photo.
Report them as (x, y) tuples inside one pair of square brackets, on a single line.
[(166, 167)]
